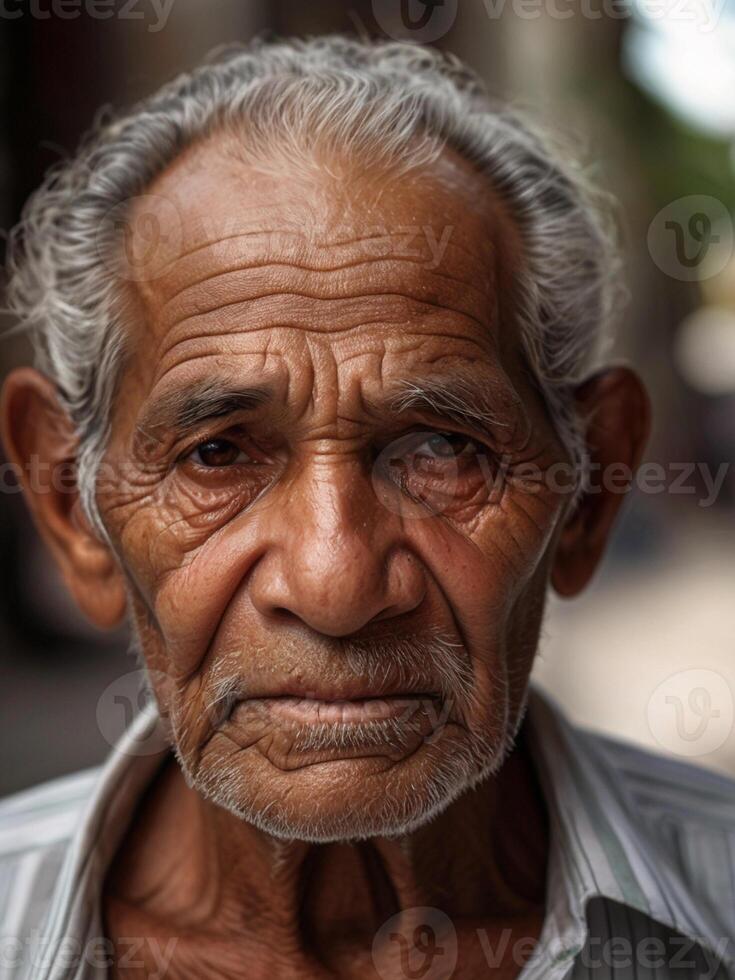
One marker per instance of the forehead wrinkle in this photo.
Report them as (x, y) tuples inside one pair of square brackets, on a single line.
[(400, 334), (212, 184), (350, 265), (475, 270), (312, 299), (299, 235), (370, 236), (250, 277)]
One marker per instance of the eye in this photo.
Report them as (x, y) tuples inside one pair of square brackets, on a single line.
[(449, 445), (218, 452)]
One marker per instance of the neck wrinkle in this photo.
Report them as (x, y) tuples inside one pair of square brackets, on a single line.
[(484, 858)]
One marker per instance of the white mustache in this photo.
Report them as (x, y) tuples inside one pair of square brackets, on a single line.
[(432, 661)]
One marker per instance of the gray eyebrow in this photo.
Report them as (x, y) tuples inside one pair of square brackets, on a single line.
[(188, 406), (466, 401)]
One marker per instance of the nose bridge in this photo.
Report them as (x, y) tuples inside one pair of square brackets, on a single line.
[(335, 527), (344, 503), (337, 562)]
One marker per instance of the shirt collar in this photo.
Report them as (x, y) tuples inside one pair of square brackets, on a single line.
[(74, 916), (600, 846)]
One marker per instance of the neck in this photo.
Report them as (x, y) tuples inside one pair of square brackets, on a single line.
[(198, 869)]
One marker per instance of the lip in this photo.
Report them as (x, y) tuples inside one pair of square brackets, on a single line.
[(347, 689), (362, 710)]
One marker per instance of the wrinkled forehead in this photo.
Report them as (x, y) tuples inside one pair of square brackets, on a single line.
[(239, 258), (440, 229)]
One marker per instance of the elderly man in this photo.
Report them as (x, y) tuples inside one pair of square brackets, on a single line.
[(318, 390)]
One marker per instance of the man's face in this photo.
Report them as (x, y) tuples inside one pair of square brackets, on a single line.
[(336, 572)]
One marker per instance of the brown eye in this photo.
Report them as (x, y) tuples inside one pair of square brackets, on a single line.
[(218, 452), (450, 445)]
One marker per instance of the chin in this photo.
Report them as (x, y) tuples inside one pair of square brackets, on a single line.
[(345, 799)]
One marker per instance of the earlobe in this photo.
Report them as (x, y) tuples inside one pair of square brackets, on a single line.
[(40, 443), (617, 407), (95, 579)]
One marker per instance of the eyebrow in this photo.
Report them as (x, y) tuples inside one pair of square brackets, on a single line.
[(469, 401), (185, 408)]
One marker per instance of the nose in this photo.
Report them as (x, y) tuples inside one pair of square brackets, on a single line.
[(336, 558)]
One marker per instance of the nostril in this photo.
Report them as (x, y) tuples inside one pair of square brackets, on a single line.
[(283, 616)]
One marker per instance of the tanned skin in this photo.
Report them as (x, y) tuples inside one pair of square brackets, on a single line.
[(277, 542)]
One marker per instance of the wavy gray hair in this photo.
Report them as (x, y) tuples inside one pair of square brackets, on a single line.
[(395, 105)]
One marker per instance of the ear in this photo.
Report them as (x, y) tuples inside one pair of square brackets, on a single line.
[(41, 445), (618, 410)]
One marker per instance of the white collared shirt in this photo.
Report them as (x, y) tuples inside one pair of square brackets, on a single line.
[(641, 876)]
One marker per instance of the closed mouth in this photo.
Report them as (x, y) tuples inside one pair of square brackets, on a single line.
[(358, 710)]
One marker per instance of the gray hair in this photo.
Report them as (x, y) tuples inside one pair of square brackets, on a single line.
[(394, 104)]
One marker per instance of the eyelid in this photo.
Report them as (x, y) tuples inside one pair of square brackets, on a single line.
[(194, 441), (475, 447), (427, 431)]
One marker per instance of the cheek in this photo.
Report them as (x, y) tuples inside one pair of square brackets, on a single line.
[(190, 600), (178, 618), (180, 595), (483, 568), (493, 577), (185, 550)]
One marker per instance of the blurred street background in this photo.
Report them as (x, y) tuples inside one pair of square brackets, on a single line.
[(645, 93)]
